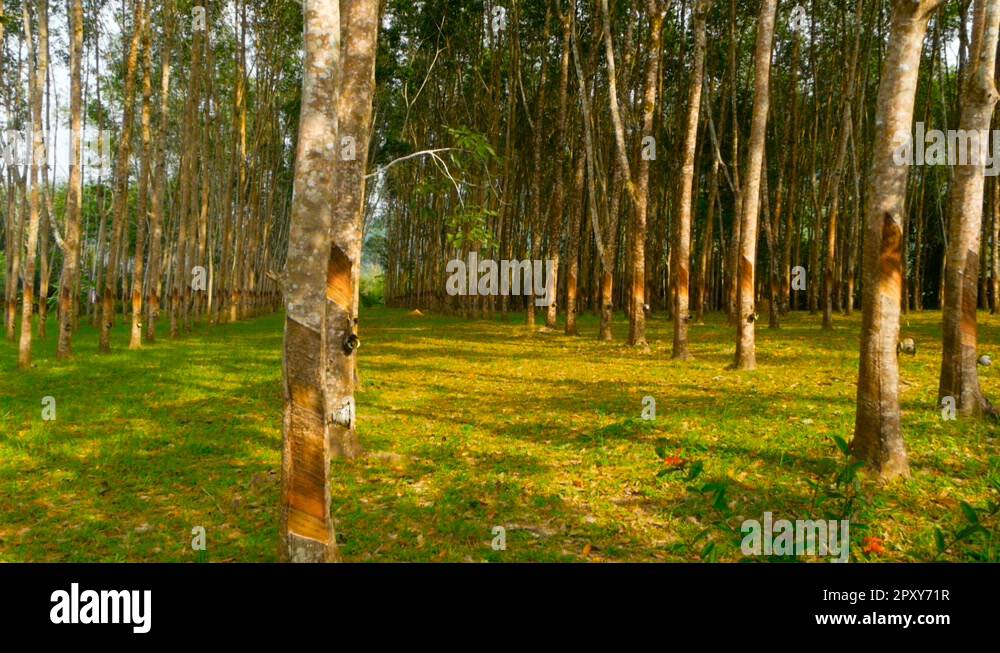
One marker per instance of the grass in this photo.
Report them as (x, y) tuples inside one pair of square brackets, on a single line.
[(470, 425)]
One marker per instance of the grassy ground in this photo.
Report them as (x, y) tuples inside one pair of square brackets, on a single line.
[(474, 424)]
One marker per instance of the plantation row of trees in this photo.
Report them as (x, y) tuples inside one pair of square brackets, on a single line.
[(687, 156), (702, 155), (177, 129)]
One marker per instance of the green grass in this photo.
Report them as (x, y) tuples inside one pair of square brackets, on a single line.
[(469, 425)]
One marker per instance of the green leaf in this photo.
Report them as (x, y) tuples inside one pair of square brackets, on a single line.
[(720, 501), (849, 473), (696, 468), (842, 445), (939, 540), (969, 531), (970, 513)]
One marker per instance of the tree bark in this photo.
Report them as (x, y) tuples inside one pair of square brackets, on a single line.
[(74, 193), (746, 358), (360, 33), (119, 214), (37, 76), (142, 193), (959, 376), (573, 247), (559, 186), (681, 258), (307, 533), (159, 178), (878, 439)]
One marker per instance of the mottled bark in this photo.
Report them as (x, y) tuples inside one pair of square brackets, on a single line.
[(878, 439), (360, 33), (37, 76), (36, 81), (746, 357), (959, 376), (306, 526)]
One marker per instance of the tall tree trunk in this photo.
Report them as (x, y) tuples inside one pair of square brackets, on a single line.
[(37, 75), (607, 257), (959, 376), (746, 357), (559, 187), (639, 191), (705, 260), (878, 439), (160, 177), (734, 242), (74, 193), (791, 209), (306, 526), (681, 258), (47, 218), (119, 215), (142, 193), (573, 248), (240, 125), (360, 33)]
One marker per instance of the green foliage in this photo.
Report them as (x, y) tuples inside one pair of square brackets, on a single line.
[(977, 532), (470, 228), (840, 493), (473, 143), (372, 289)]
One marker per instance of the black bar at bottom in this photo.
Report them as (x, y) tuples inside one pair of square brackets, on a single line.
[(245, 602)]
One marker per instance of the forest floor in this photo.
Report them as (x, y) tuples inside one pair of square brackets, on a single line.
[(473, 424)]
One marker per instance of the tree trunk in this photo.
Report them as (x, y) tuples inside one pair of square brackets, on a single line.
[(877, 436), (959, 376), (159, 180), (74, 193), (37, 73), (306, 526), (637, 325), (573, 247), (559, 188), (143, 190), (681, 257), (119, 215), (746, 358), (360, 33)]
